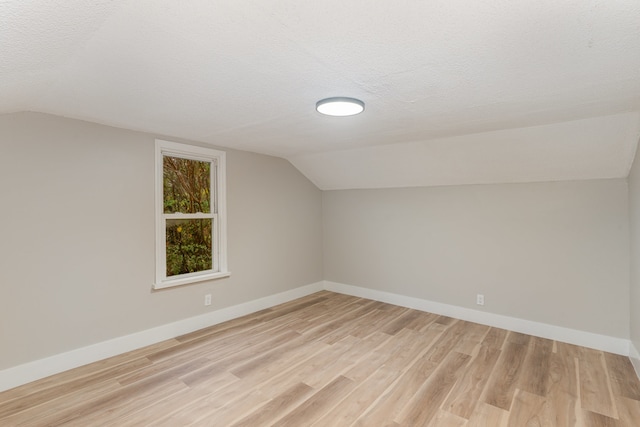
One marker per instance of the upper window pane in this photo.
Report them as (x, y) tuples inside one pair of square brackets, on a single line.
[(186, 185)]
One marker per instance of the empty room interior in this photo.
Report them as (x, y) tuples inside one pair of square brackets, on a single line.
[(331, 213)]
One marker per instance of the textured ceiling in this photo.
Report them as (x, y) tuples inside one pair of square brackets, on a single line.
[(456, 91)]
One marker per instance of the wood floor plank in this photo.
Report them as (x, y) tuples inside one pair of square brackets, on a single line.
[(537, 364), (386, 408), (592, 419), (444, 418), (234, 410), (595, 394), (563, 390), (36, 415), (146, 392), (183, 366), (359, 320), (518, 338), (304, 372), (375, 358), (174, 403), (447, 341), (204, 404), (426, 402), (629, 411), (421, 321), (349, 409), (623, 384), (332, 359), (400, 323), (337, 323), (445, 320), (219, 398), (503, 379), (118, 414), (469, 342), (38, 397), (290, 360), (216, 331), (530, 410), (262, 359), (569, 350), (488, 416), (338, 366), (225, 356), (406, 346), (319, 403), (495, 338), (67, 379), (289, 308), (274, 408), (243, 337), (377, 322), (466, 393)]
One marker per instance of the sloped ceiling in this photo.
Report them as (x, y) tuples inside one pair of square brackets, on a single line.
[(456, 91)]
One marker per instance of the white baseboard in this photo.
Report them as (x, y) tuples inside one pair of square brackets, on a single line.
[(22, 374), (634, 355), (558, 333)]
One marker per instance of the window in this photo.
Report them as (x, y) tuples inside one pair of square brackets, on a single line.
[(190, 214)]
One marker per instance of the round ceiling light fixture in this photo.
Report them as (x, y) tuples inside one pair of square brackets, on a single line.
[(340, 106)]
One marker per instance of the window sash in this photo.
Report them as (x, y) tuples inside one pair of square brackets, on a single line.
[(198, 215), (215, 267)]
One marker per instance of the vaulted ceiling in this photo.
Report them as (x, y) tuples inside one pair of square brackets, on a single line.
[(456, 91)]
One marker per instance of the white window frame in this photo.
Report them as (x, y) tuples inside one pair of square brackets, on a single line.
[(218, 213)]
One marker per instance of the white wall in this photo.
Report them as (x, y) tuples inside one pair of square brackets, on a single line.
[(77, 239), (634, 220), (77, 242), (554, 253)]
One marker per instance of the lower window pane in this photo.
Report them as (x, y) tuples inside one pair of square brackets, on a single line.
[(188, 246)]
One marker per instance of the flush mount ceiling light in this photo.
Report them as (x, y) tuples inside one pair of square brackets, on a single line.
[(340, 106)]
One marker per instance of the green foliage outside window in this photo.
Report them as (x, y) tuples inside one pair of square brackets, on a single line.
[(188, 246), (186, 189), (186, 185)]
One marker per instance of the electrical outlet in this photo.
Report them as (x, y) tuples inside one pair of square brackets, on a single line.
[(207, 299), (480, 299)]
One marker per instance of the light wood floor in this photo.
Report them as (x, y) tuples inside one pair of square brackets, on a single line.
[(335, 360)]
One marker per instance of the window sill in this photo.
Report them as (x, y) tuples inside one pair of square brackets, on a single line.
[(191, 279)]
